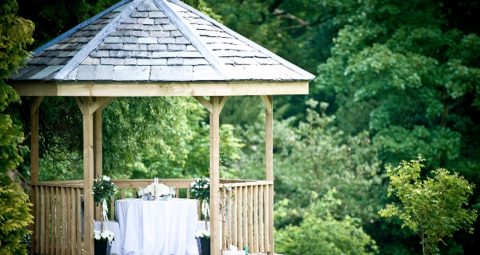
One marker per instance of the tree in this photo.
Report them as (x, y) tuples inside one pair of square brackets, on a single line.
[(415, 84), (410, 77), (321, 157), (433, 207), (15, 35), (320, 233)]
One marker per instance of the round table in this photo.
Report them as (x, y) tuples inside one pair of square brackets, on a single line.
[(157, 227)]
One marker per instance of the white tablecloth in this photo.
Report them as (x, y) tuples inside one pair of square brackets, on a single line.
[(158, 227)]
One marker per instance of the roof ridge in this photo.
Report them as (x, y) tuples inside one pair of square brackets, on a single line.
[(192, 36), (246, 40), (83, 53), (78, 27)]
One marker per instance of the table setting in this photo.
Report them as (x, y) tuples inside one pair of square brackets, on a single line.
[(157, 223)]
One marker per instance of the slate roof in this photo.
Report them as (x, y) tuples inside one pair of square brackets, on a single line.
[(155, 40)]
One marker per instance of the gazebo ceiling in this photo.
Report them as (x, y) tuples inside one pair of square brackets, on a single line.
[(155, 41)]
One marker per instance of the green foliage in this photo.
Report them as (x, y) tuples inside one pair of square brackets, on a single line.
[(15, 218), (411, 79), (15, 35), (200, 189), (321, 157), (433, 207), (103, 189), (321, 233), (170, 139)]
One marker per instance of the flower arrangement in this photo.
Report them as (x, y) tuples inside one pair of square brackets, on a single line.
[(156, 190), (200, 189), (104, 235), (103, 189)]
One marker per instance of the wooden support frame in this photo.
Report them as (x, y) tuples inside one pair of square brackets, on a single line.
[(98, 151), (34, 153), (91, 109), (205, 102), (86, 106), (268, 102), (34, 159), (217, 104), (155, 89)]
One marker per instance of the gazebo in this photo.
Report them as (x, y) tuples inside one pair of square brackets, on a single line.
[(153, 48)]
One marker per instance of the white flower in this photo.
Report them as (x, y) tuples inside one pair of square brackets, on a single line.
[(106, 178), (103, 235), (96, 234), (202, 234), (205, 186)]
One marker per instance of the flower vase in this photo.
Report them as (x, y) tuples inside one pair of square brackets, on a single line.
[(203, 246), (102, 247)]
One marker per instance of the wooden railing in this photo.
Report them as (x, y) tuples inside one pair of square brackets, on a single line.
[(245, 213), (245, 208), (58, 227)]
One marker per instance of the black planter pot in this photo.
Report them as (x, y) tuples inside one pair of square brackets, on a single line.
[(203, 246), (102, 247)]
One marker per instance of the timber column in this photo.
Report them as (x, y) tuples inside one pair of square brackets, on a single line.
[(86, 106), (268, 102), (34, 165), (216, 104)]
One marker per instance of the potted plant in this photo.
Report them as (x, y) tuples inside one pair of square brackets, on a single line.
[(203, 242), (103, 190), (103, 241), (200, 189)]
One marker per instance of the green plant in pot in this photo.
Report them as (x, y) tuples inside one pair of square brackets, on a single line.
[(200, 189), (103, 191)]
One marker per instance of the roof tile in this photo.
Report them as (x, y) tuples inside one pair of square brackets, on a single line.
[(146, 43), (128, 73)]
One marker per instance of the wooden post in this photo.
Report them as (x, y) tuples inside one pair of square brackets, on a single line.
[(34, 158), (215, 236), (34, 164), (86, 106), (98, 150), (268, 102), (98, 136)]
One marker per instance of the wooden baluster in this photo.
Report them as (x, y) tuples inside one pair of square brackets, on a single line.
[(240, 218), (255, 219), (43, 219), (79, 241), (250, 217)]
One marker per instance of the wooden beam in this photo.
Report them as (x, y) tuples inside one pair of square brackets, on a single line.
[(268, 101), (98, 143), (98, 151), (34, 147), (223, 100), (79, 102), (215, 236), (88, 171), (34, 161), (100, 103), (155, 89), (36, 103), (203, 101)]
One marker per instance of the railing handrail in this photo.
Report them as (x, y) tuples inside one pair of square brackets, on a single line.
[(244, 184), (61, 184), (135, 183)]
